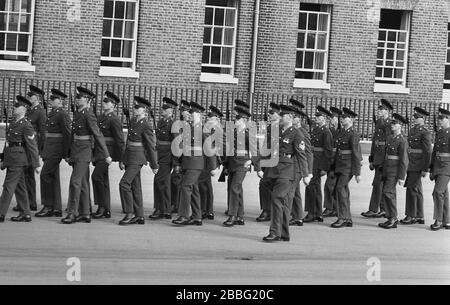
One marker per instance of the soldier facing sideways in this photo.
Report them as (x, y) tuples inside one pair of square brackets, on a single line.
[(20, 152), (111, 127), (419, 154), (56, 148)]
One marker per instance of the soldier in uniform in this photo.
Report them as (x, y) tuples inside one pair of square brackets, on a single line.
[(330, 183), (111, 127), (264, 184), (394, 169), (175, 180), (322, 147), (191, 163), (56, 148), (291, 145), (419, 154), (161, 183), (140, 149), (376, 159), (20, 152), (84, 127), (440, 172), (347, 163)]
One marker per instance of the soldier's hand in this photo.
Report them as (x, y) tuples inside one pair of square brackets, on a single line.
[(322, 173), (371, 167), (2, 166), (213, 172), (248, 164), (121, 166), (423, 174), (108, 160), (260, 174), (358, 179), (306, 180), (38, 170), (155, 170), (401, 182)]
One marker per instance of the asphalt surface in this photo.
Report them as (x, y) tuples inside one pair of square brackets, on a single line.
[(160, 253)]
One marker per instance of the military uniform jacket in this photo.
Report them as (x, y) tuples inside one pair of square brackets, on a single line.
[(308, 151), (420, 149), (322, 147), (20, 146), (58, 122), (38, 119), (378, 148), (334, 133), (193, 156), (396, 159), (85, 124), (241, 147), (440, 160), (140, 131), (111, 128), (268, 143), (291, 146), (164, 139), (348, 153)]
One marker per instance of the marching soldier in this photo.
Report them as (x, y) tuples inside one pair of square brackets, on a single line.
[(347, 164), (161, 183), (111, 127), (205, 182), (329, 195), (264, 184), (440, 172), (376, 159), (322, 147), (56, 148), (419, 155), (291, 145), (20, 152), (84, 127), (176, 177), (140, 149), (238, 163), (191, 163), (394, 169)]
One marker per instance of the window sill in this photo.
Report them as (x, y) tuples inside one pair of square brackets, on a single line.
[(311, 84), (218, 78), (446, 96), (389, 88), (118, 72), (16, 66)]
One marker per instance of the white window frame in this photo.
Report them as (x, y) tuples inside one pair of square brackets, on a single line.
[(229, 78), (315, 83), (446, 92), (19, 65), (394, 88), (129, 72)]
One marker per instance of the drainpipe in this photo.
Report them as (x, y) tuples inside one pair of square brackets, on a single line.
[(254, 52)]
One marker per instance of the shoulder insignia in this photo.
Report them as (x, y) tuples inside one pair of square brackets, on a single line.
[(302, 145), (31, 137)]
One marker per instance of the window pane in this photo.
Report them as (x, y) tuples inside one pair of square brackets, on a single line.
[(3, 17), (207, 35), (116, 48), (13, 22), (226, 56), (381, 44), (2, 41), (105, 47), (3, 5), (118, 24), (401, 37), (319, 61), (390, 54), (11, 42), (26, 6), (23, 43), (447, 72), (311, 41), (400, 55), (391, 45), (312, 22), (230, 19), (219, 16), (229, 36), (109, 7), (388, 72), (323, 22), (448, 56), (400, 63), (301, 40), (120, 10), (209, 16), (309, 60), (215, 55), (205, 57), (107, 27), (382, 35), (379, 72), (299, 60), (129, 29), (127, 48), (398, 73), (380, 54), (448, 39), (392, 36), (401, 46), (321, 41), (217, 38), (379, 62), (15, 5), (302, 21), (390, 63), (25, 23), (131, 10)]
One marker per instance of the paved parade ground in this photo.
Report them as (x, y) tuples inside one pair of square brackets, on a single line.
[(161, 253)]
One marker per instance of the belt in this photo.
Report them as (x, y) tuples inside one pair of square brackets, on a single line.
[(415, 151), (197, 148), (11, 144), (286, 155), (392, 157), (82, 138), (158, 142), (345, 152), (136, 144), (54, 135), (381, 143), (318, 149), (440, 154), (109, 139)]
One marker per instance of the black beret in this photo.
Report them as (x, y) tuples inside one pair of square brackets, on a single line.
[(300, 113), (444, 112), (296, 103), (348, 113), (285, 109), (397, 118), (169, 103), (385, 104), (57, 94), (242, 112), (184, 105), (242, 104), (335, 111), (35, 91), (86, 92), (111, 97), (322, 111), (421, 111), (22, 101), (275, 107), (195, 107), (142, 102), (214, 111)]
